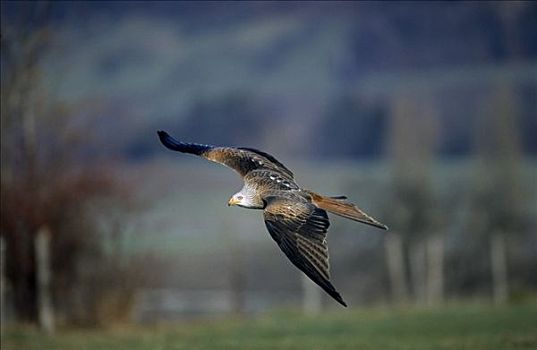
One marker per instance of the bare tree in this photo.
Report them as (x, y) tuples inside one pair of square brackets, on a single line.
[(412, 145), (22, 49), (44, 185), (499, 188), (3, 284)]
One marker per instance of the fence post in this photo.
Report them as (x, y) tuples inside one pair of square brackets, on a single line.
[(312, 297), (44, 299), (396, 268), (498, 255), (435, 269)]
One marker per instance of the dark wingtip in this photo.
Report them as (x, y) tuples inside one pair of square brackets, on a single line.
[(162, 134), (334, 294), (168, 141), (339, 299), (176, 145)]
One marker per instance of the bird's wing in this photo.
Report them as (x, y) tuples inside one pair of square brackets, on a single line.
[(242, 160), (300, 228)]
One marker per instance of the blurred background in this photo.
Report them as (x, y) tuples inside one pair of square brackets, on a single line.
[(425, 114)]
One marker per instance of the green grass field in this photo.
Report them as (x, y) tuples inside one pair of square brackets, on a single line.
[(461, 327)]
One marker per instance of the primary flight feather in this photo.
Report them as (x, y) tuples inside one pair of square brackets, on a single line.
[(295, 218)]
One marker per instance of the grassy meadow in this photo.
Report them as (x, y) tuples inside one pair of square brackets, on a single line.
[(458, 327)]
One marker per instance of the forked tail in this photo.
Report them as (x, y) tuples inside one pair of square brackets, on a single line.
[(340, 206)]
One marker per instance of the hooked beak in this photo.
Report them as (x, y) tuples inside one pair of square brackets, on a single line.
[(232, 201)]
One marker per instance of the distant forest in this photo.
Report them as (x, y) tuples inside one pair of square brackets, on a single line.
[(306, 79)]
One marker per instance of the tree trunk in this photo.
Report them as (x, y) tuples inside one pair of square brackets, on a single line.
[(43, 274), (417, 271), (396, 268), (498, 256), (312, 297), (2, 281), (435, 269)]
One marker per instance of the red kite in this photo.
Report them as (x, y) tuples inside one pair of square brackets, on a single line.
[(295, 218)]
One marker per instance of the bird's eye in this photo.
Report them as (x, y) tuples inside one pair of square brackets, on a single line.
[(239, 198)]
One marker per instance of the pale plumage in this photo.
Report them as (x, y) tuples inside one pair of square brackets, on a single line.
[(295, 218)]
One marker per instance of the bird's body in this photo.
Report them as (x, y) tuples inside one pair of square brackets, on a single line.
[(295, 218), (259, 184)]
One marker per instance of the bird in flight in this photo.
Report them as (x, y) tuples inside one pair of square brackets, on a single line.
[(295, 218)]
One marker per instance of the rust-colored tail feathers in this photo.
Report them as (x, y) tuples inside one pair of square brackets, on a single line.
[(340, 206)]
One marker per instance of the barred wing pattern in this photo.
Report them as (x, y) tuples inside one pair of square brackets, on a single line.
[(299, 228), (242, 160)]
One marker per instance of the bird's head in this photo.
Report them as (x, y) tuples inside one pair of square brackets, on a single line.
[(245, 200), (236, 199)]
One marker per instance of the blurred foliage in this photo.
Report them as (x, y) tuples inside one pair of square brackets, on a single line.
[(225, 120), (47, 181), (294, 69), (351, 128)]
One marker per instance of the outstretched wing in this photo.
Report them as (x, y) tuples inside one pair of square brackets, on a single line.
[(300, 228), (242, 160)]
